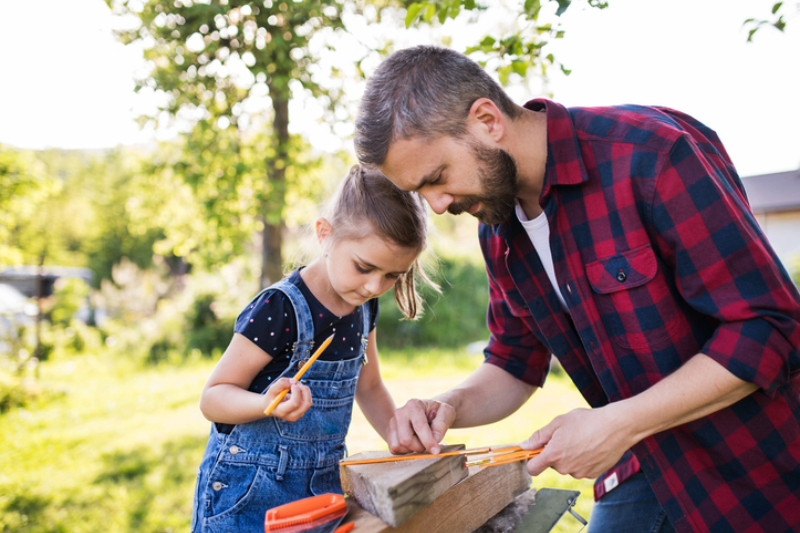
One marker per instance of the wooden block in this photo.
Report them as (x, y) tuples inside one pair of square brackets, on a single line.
[(397, 491), (462, 509)]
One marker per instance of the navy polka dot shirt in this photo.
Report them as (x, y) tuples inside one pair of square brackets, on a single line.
[(269, 321)]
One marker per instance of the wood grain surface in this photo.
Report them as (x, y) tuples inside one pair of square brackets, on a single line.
[(395, 492), (464, 508)]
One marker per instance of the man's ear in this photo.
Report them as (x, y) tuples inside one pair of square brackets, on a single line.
[(486, 120), (324, 230)]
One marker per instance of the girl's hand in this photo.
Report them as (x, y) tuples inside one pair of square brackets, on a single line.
[(294, 405)]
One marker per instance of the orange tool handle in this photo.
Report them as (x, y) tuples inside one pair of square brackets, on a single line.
[(304, 511)]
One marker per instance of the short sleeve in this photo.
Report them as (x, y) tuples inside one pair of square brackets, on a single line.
[(374, 313), (269, 322)]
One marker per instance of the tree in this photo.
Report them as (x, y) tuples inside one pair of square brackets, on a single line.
[(227, 67), (18, 186)]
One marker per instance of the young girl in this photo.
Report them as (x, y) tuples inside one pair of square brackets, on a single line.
[(371, 243)]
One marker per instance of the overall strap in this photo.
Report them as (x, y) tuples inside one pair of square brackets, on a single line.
[(305, 323), (365, 316)]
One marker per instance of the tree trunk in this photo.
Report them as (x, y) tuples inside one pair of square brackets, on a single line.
[(272, 238)]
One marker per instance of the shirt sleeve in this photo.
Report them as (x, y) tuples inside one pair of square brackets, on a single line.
[(724, 265), (375, 313), (512, 345), (269, 322)]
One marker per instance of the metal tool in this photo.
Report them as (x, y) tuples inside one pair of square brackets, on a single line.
[(547, 509)]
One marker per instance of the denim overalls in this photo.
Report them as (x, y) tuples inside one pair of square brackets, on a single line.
[(271, 462)]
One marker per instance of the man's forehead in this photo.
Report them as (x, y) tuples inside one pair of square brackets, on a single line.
[(410, 161)]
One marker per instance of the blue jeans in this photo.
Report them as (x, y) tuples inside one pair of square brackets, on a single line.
[(630, 508)]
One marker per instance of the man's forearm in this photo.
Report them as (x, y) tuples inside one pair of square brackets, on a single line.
[(697, 389), (488, 395)]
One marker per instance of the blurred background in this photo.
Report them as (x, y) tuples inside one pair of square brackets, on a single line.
[(161, 161)]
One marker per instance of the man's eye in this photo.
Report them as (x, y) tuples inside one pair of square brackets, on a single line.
[(437, 181)]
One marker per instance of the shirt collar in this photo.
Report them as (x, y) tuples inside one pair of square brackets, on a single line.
[(564, 159)]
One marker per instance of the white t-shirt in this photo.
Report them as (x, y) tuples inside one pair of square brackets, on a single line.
[(538, 231)]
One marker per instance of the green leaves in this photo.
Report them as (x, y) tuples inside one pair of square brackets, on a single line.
[(777, 21), (518, 53), (436, 10)]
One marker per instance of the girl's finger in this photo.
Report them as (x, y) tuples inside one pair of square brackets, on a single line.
[(282, 384), (304, 395)]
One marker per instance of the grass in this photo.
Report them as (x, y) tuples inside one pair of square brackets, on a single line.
[(114, 448)]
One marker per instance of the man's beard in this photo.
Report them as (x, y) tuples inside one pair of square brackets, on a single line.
[(498, 176)]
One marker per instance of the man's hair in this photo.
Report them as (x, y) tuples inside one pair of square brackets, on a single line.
[(368, 203), (425, 91)]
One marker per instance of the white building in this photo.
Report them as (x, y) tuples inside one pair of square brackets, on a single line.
[(775, 199)]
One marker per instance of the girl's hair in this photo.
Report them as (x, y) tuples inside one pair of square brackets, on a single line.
[(367, 202)]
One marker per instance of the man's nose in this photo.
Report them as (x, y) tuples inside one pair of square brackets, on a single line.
[(439, 202)]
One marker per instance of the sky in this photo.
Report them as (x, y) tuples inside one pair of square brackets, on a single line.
[(66, 83)]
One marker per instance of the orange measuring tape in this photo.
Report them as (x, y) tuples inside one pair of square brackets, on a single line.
[(318, 514), (480, 457)]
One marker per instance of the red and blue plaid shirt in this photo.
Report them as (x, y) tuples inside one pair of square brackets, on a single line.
[(659, 257)]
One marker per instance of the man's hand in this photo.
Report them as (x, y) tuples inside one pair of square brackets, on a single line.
[(583, 443), (586, 443), (420, 425)]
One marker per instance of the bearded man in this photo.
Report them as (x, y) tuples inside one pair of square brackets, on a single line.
[(620, 240)]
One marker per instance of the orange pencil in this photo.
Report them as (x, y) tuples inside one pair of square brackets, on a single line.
[(299, 375), (487, 452)]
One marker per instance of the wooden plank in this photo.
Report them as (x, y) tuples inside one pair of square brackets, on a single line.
[(462, 509), (395, 492)]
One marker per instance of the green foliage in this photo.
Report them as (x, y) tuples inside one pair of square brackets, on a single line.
[(226, 69), (209, 332), (197, 49), (33, 209), (97, 454), (16, 392), (454, 318), (18, 190), (778, 20), (70, 296), (519, 52), (153, 317), (80, 209), (118, 450)]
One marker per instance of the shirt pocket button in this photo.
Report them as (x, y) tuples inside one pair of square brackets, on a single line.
[(621, 276)]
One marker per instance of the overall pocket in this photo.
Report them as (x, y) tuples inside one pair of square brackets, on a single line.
[(327, 420), (326, 481), (232, 487)]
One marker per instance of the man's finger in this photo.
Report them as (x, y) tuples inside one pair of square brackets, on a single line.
[(413, 445), (537, 465), (539, 439), (443, 419)]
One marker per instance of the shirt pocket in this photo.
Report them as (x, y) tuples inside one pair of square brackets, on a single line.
[(637, 307)]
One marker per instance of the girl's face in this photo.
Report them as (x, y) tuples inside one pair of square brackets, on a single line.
[(366, 268)]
